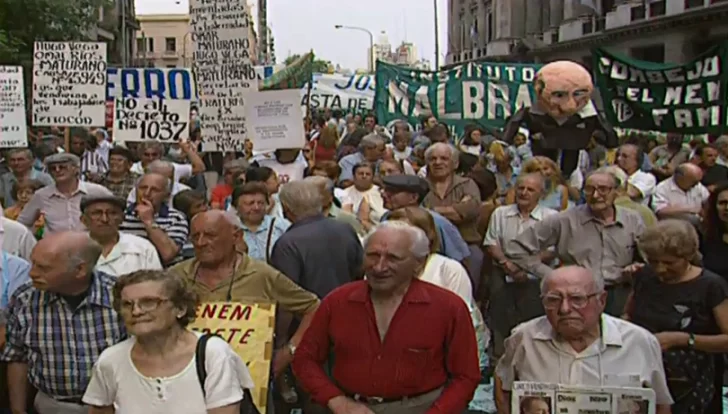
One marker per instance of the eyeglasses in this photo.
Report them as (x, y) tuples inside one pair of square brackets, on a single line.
[(97, 214), (575, 301), (602, 189), (144, 304)]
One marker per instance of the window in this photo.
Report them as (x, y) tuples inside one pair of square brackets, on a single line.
[(140, 45), (654, 53), (170, 44), (489, 33), (150, 44), (171, 66)]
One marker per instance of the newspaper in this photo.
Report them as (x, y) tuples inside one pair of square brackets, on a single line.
[(543, 398)]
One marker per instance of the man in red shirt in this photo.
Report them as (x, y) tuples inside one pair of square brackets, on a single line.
[(400, 345)]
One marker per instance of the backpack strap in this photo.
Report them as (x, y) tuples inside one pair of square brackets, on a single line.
[(200, 361)]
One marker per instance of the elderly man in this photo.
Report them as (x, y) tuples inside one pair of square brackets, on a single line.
[(66, 295), (401, 191), (60, 203), (599, 236), (426, 365), (20, 162), (457, 199), (328, 209), (261, 230), (222, 192), (371, 149), (576, 344), (316, 252), (515, 295), (121, 253), (682, 195), (119, 179), (150, 217), (666, 158), (166, 169), (220, 272), (641, 184), (153, 151)]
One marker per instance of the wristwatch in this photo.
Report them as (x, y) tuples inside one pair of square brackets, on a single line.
[(291, 348), (691, 340)]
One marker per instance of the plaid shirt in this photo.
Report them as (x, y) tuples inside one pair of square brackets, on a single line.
[(121, 188), (59, 344)]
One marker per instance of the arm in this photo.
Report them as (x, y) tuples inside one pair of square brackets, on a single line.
[(198, 165), (31, 211), (15, 353), (525, 249), (18, 386), (505, 373), (165, 245), (502, 397), (285, 259), (101, 410), (467, 208), (564, 197)]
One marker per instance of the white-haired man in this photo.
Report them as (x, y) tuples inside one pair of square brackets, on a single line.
[(427, 364), (576, 343), (166, 169), (371, 149)]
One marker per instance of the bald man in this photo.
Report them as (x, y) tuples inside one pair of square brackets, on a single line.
[(166, 169), (66, 295), (576, 343), (681, 196)]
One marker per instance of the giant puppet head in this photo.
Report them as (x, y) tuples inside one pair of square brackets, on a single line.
[(563, 88)]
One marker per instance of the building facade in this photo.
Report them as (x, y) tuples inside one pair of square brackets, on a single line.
[(116, 26), (672, 31)]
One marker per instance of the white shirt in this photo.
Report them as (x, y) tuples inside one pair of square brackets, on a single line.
[(116, 381), (286, 172), (354, 197), (668, 193), (449, 274), (180, 170), (645, 183), (16, 239), (400, 155), (626, 351), (176, 188), (131, 253)]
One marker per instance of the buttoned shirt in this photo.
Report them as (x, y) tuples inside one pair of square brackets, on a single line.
[(130, 253), (419, 354), (580, 239), (463, 196), (669, 194), (8, 180), (261, 241), (62, 213), (61, 344), (625, 356)]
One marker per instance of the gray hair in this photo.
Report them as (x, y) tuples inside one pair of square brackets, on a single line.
[(167, 181), (28, 153), (454, 153), (537, 176), (617, 173), (372, 140), (160, 167), (722, 141), (89, 254), (319, 181), (420, 244), (301, 198), (597, 278)]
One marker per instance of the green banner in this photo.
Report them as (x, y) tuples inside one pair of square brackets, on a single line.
[(687, 99), (485, 94), (294, 76)]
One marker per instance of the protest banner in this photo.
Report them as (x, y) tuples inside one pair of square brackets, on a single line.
[(529, 397), (69, 84), (221, 58), (353, 93), (151, 119), (275, 119), (248, 328), (486, 94), (686, 99), (13, 124)]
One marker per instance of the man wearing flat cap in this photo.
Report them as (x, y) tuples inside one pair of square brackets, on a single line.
[(403, 190), (121, 253), (60, 203)]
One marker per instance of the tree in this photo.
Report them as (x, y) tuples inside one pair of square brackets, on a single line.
[(319, 66)]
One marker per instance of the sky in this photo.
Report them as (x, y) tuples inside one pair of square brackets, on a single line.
[(301, 25)]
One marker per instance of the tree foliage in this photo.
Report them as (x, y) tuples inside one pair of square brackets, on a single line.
[(319, 66)]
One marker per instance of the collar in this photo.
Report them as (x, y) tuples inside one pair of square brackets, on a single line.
[(416, 293), (97, 294), (242, 268), (127, 244), (536, 213), (264, 225), (80, 189), (585, 214), (308, 220), (543, 331), (163, 210)]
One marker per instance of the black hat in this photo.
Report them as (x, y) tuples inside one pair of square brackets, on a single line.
[(104, 198), (407, 183)]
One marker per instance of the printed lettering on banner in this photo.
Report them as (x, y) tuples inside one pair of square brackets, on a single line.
[(529, 397), (221, 54), (13, 129), (145, 119), (275, 120), (248, 328), (69, 84)]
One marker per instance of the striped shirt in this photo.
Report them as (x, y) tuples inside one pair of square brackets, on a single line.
[(60, 344), (93, 163), (171, 221)]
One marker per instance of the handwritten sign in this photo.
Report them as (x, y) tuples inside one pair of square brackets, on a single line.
[(221, 55), (143, 119), (275, 119), (527, 397), (69, 84), (249, 331), (13, 130)]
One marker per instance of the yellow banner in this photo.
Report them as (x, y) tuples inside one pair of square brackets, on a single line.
[(249, 331)]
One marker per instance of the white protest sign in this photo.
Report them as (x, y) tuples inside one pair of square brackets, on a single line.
[(221, 61), (348, 93), (275, 119), (69, 84), (13, 129), (529, 397), (151, 119)]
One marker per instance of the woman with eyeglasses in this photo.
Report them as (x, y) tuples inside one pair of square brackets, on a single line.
[(686, 307), (154, 371)]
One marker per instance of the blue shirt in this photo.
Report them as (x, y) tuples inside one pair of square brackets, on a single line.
[(15, 272), (258, 241), (452, 244)]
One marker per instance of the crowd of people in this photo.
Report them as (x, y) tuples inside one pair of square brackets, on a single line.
[(408, 266)]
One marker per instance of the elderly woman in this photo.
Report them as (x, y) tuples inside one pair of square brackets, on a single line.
[(154, 370), (686, 307), (457, 198)]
